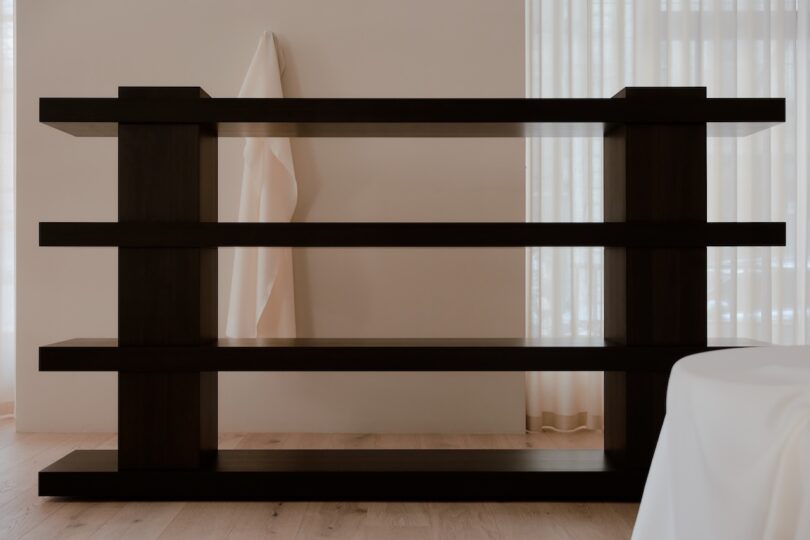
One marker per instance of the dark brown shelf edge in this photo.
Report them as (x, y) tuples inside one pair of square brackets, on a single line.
[(344, 234), (354, 475), (411, 130), (406, 117), (675, 108), (311, 354)]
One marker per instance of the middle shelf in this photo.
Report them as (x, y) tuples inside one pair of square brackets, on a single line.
[(373, 354), (675, 234)]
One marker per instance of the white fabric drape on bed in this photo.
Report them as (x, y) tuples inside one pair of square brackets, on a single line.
[(733, 457), (262, 302), (742, 48)]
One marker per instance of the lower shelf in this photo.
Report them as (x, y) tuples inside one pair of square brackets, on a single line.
[(354, 475), (373, 354)]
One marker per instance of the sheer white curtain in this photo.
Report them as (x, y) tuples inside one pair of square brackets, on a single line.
[(6, 207), (736, 48)]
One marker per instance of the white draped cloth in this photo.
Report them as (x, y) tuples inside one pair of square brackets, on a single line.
[(733, 457), (262, 302)]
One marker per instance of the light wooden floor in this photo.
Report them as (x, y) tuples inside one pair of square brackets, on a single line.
[(25, 515)]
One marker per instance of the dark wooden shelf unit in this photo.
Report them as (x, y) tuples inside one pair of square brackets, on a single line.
[(664, 234), (167, 353)]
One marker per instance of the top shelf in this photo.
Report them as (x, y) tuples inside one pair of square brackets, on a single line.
[(410, 117)]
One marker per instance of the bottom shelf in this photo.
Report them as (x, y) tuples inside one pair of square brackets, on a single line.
[(354, 475)]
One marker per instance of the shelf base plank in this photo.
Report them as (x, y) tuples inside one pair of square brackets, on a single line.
[(417, 475)]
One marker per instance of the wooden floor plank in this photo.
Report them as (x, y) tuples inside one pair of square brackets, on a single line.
[(334, 520), (280, 520), (465, 521), (74, 520), (203, 521), (21, 509), (400, 521), (139, 521)]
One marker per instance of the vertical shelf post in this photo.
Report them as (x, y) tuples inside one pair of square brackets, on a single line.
[(166, 296), (652, 172)]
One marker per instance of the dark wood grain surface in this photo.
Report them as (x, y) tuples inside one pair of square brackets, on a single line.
[(406, 117), (355, 475), (654, 173), (373, 354), (641, 234), (166, 296)]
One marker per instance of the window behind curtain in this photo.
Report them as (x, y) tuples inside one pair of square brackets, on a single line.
[(736, 48)]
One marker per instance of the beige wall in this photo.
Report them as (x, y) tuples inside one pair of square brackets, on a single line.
[(356, 48)]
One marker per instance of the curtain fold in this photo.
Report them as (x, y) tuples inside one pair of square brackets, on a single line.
[(262, 295), (742, 48), (6, 208)]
